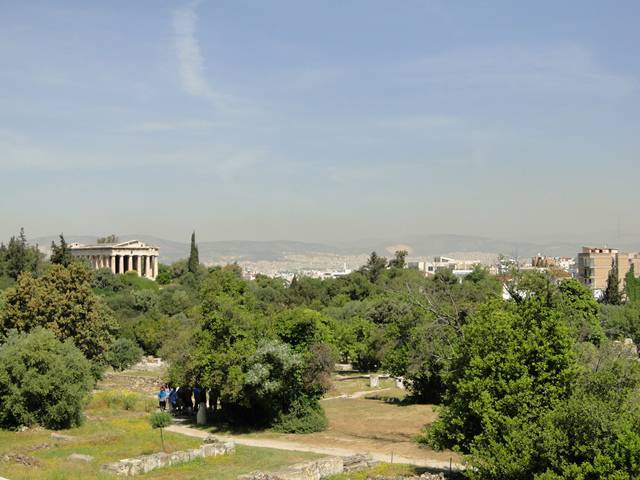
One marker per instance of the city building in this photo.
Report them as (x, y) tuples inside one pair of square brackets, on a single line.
[(565, 264), (595, 263), (460, 268), (122, 257)]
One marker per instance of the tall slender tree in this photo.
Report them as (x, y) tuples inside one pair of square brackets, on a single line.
[(612, 294), (194, 260), (61, 255), (19, 257)]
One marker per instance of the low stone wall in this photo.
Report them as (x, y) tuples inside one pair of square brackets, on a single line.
[(145, 463), (361, 461), (315, 469), (424, 476)]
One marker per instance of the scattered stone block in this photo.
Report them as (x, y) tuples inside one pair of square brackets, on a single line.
[(374, 381), (360, 461), (211, 439), (62, 437), (80, 457)]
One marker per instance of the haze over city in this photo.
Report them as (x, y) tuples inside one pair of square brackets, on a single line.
[(326, 122)]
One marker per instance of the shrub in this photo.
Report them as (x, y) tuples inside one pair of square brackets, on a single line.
[(305, 416), (123, 353), (104, 279), (123, 399), (129, 401), (42, 381), (160, 420), (138, 283)]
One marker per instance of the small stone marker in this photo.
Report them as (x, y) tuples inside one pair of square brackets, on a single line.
[(400, 383), (62, 437), (80, 457), (374, 381), (201, 417)]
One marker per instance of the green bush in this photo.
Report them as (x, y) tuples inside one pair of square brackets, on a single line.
[(160, 420), (105, 280), (132, 279), (123, 353), (42, 381), (305, 416), (120, 399)]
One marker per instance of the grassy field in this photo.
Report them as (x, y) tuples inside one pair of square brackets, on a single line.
[(351, 386), (375, 422), (117, 429)]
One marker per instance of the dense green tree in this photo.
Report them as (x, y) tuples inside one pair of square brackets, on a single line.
[(19, 257), (399, 260), (107, 281), (123, 353), (579, 309), (301, 327), (621, 321), (194, 260), (374, 267), (612, 294), (164, 274), (309, 291), (61, 254), (42, 381), (632, 286), (594, 432), (514, 363), (62, 301)]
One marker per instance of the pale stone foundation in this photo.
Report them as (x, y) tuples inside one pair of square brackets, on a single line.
[(315, 469), (129, 467)]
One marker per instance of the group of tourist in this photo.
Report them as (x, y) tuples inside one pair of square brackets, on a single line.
[(181, 399)]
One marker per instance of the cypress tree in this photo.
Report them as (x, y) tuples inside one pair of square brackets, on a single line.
[(612, 294), (61, 255), (194, 260)]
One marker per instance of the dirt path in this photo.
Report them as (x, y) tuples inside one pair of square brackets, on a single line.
[(302, 447), (355, 394)]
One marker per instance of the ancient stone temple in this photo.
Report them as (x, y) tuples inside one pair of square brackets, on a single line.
[(129, 256)]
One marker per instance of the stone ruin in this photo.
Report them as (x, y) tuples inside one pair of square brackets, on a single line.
[(424, 476), (315, 469), (145, 463)]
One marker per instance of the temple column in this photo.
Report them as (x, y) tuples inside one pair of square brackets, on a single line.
[(121, 264), (112, 263), (147, 266), (154, 267), (129, 263), (139, 265)]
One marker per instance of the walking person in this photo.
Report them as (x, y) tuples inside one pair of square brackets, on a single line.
[(162, 398)]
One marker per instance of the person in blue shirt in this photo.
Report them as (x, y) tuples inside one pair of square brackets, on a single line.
[(162, 398)]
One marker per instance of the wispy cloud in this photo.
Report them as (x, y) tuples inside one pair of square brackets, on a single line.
[(171, 126), (560, 68), (417, 122), (190, 58)]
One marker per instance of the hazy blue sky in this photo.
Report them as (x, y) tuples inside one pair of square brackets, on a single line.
[(323, 120)]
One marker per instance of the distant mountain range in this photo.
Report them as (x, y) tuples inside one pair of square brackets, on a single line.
[(419, 246)]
